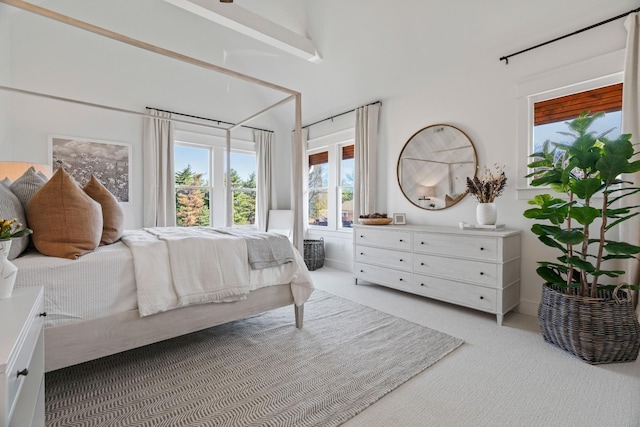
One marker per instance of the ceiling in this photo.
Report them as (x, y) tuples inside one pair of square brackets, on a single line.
[(370, 49)]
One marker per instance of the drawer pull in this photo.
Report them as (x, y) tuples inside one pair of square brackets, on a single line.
[(401, 279), (421, 284), (422, 243), (482, 249), (422, 263), (401, 260), (43, 314), (361, 253), (401, 240), (482, 273), (481, 297), (361, 236), (24, 372), (361, 271)]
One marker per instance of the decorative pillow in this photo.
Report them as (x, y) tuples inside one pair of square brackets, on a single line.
[(26, 186), (10, 207), (66, 222), (112, 212)]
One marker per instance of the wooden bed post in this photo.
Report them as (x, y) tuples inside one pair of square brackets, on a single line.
[(299, 311)]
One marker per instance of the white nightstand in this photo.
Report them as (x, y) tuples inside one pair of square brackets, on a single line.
[(22, 358)]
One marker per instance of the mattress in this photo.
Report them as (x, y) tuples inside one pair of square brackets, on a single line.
[(98, 284), (102, 283)]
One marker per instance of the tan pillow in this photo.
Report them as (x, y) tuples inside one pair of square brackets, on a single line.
[(112, 212), (66, 222)]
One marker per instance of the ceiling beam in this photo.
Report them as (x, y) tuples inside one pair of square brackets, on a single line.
[(252, 25)]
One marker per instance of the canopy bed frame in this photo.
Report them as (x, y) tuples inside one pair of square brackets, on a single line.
[(115, 333)]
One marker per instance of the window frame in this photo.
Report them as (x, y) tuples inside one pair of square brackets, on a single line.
[(586, 75), (216, 144), (332, 143)]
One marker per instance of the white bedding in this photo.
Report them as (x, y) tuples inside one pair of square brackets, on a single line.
[(102, 283)]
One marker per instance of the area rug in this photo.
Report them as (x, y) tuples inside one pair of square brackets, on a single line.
[(260, 371)]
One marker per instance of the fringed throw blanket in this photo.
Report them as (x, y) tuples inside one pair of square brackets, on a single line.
[(199, 266)]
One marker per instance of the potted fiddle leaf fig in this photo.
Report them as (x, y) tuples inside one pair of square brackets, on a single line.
[(585, 309)]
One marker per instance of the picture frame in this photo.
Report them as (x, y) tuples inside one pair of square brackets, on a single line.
[(399, 219), (108, 161)]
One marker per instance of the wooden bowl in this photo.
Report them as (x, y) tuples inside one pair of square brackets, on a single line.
[(375, 221)]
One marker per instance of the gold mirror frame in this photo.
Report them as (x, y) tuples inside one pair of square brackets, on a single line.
[(433, 166)]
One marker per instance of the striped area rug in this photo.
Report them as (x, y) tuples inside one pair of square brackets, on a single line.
[(260, 371)]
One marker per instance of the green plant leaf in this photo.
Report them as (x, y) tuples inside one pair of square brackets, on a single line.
[(552, 243), (542, 229), (549, 275), (570, 237), (620, 248), (585, 215), (612, 165), (579, 263), (585, 188)]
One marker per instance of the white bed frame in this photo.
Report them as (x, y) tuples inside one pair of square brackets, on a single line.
[(73, 343)]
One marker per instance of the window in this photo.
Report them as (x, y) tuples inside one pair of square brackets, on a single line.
[(243, 187), (547, 101), (319, 189), (550, 116), (200, 191), (193, 189), (331, 179), (345, 189)]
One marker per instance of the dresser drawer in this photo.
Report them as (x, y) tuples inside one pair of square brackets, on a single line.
[(463, 270), (23, 360), (392, 239), (482, 248), (471, 296), (384, 257), (385, 276)]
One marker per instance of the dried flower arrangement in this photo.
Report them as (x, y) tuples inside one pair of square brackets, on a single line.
[(486, 188)]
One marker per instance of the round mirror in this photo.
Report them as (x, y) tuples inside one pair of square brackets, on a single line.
[(434, 165)]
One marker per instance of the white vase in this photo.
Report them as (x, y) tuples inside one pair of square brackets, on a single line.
[(8, 270), (486, 213)]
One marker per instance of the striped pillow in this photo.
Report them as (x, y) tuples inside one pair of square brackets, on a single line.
[(26, 186)]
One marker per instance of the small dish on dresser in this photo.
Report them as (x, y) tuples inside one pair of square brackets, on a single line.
[(375, 221)]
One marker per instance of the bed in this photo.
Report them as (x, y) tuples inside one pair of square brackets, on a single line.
[(93, 309), (104, 317)]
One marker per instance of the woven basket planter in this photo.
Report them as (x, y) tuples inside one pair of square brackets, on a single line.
[(314, 253), (597, 330)]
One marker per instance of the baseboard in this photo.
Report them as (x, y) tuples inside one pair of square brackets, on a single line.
[(339, 265), (528, 307)]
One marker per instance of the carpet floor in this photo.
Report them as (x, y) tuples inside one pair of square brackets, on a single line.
[(260, 371)]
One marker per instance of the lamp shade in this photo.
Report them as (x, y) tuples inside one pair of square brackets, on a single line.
[(14, 170), (425, 191)]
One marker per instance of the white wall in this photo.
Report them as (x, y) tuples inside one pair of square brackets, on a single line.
[(5, 80), (473, 91)]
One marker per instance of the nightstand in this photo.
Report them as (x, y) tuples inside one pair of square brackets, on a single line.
[(22, 358)]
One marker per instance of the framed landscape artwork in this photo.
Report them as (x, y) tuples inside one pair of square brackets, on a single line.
[(108, 161)]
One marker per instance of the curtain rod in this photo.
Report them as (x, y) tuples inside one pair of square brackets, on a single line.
[(205, 118), (506, 57), (338, 115)]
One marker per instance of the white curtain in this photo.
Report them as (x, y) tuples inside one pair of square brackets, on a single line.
[(300, 174), (264, 147), (159, 179), (365, 153), (631, 124)]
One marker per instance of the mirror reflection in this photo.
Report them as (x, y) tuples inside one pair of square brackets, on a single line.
[(433, 166)]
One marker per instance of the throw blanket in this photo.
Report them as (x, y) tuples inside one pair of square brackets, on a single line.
[(265, 249), (175, 267), (203, 266)]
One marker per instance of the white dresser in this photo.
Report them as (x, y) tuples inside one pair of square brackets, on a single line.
[(22, 358), (479, 269)]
